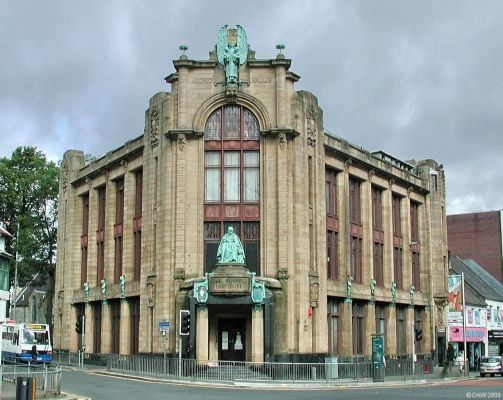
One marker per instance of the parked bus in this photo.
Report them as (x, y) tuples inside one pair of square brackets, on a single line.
[(26, 343)]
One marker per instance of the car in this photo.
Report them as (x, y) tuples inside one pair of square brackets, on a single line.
[(491, 366)]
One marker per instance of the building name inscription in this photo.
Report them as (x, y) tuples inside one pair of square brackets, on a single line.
[(258, 80), (222, 284)]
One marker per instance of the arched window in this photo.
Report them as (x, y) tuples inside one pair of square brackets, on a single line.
[(232, 181)]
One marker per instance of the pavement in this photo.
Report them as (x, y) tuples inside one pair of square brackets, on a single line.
[(338, 384)]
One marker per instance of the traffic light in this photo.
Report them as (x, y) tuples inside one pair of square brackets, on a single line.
[(418, 334), (78, 325), (184, 322)]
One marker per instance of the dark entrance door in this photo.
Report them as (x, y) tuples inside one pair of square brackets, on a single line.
[(232, 339)]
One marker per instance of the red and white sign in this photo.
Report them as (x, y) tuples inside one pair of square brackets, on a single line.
[(472, 334)]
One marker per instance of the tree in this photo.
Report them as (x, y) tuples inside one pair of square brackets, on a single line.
[(29, 186)]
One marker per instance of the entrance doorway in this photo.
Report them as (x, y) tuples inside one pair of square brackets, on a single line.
[(232, 339)]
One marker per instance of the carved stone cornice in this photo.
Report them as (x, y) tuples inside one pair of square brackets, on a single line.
[(288, 132), (282, 274), (181, 136), (347, 164)]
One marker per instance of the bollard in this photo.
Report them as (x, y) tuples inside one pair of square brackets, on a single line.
[(25, 388), (313, 373)]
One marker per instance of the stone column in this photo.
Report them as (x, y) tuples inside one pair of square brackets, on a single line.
[(202, 333), (125, 337), (390, 345), (346, 318), (257, 342), (370, 326), (89, 328), (105, 328)]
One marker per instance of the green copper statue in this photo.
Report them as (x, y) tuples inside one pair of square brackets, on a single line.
[(232, 51), (230, 249)]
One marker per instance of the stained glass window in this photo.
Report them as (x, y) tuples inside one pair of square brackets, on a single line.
[(231, 123), (251, 130), (213, 126)]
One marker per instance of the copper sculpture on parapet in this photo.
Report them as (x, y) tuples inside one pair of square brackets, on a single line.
[(232, 51)]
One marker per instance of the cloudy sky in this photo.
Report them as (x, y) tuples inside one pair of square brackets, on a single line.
[(416, 79)]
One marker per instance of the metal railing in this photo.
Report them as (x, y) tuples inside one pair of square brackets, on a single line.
[(231, 371), (47, 378)]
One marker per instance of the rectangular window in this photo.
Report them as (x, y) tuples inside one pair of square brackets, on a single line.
[(84, 239), (378, 261), (377, 208), (358, 327), (397, 266), (100, 235), (231, 176), (354, 201), (400, 330), (137, 225), (212, 176), (115, 311), (414, 222), (380, 319), (333, 325), (251, 176), (134, 325), (118, 228), (96, 306), (356, 259), (331, 192), (4, 275), (396, 215), (332, 255)]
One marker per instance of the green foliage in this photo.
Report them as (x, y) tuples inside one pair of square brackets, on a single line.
[(29, 201)]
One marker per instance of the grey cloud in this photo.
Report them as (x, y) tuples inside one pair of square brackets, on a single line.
[(415, 79)]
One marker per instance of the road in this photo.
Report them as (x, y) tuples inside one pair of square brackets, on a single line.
[(102, 387)]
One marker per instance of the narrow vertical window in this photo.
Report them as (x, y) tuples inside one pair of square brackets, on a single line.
[(100, 235), (358, 328), (396, 215), (251, 176), (333, 325), (354, 201), (231, 176), (137, 225), (84, 238), (118, 228), (212, 176)]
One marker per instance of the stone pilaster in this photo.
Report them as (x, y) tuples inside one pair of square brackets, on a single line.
[(370, 326), (257, 334), (89, 329), (346, 318), (202, 351), (106, 328), (125, 337)]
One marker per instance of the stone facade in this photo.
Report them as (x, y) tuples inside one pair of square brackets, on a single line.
[(295, 153)]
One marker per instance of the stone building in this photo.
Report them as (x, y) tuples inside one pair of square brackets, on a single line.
[(340, 243)]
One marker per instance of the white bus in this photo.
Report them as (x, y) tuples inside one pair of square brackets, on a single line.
[(26, 343)]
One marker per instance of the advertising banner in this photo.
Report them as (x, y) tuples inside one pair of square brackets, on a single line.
[(455, 308)]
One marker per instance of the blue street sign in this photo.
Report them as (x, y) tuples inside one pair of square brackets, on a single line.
[(164, 325)]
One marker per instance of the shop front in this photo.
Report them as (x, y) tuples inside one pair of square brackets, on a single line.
[(476, 341)]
